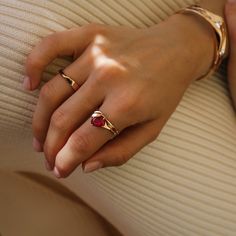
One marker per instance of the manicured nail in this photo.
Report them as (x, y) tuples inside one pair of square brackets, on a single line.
[(92, 166), (47, 165), (37, 146), (26, 83), (56, 172), (231, 1)]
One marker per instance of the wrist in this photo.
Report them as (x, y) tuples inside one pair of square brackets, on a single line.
[(198, 42), (214, 6)]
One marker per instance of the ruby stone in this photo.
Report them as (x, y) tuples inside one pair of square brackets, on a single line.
[(98, 121)]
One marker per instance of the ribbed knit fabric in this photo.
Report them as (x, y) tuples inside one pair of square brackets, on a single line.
[(183, 183)]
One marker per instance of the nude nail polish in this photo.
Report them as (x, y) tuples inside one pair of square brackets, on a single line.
[(26, 83), (37, 145), (92, 166), (56, 172)]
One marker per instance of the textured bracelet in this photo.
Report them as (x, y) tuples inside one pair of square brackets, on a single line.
[(218, 24)]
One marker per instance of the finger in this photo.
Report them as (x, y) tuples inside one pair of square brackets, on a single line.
[(54, 92), (70, 42), (119, 150), (230, 12), (69, 116), (86, 140)]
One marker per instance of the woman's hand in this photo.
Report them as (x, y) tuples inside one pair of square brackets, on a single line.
[(136, 77), (230, 12)]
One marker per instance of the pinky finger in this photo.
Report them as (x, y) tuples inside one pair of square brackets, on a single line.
[(119, 150)]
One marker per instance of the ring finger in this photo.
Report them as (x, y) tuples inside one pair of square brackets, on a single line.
[(86, 140)]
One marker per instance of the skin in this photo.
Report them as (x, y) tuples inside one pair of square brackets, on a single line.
[(230, 12), (214, 6), (123, 72), (227, 9)]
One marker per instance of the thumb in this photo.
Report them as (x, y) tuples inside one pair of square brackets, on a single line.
[(230, 13), (122, 148)]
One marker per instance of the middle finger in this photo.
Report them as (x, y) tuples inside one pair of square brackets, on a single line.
[(54, 92), (70, 115), (87, 140)]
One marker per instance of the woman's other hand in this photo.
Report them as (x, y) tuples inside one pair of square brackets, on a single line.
[(230, 12), (136, 77)]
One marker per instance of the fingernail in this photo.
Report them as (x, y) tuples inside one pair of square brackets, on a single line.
[(36, 145), (92, 166), (47, 165), (231, 1), (56, 172), (26, 83)]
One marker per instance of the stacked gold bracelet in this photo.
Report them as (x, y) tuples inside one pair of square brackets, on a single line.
[(219, 26)]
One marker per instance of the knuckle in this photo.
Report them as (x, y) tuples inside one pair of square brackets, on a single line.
[(122, 158), (47, 92), (33, 61), (50, 40), (95, 28), (79, 143), (127, 105), (131, 111), (59, 119), (105, 74)]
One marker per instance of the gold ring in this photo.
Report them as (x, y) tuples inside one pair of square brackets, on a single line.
[(70, 81), (99, 120)]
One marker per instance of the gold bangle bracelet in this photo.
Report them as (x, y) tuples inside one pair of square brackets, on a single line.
[(218, 24)]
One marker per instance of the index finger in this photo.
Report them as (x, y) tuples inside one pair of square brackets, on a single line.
[(70, 42)]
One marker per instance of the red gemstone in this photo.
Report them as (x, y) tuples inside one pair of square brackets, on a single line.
[(98, 121)]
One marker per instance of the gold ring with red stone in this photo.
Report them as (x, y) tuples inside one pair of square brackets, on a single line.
[(99, 120)]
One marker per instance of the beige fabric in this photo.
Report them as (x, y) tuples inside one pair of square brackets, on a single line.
[(34, 205), (181, 184)]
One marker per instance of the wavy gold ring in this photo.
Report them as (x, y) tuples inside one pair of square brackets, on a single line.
[(70, 81)]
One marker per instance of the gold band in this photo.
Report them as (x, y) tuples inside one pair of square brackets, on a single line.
[(70, 81), (217, 22)]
